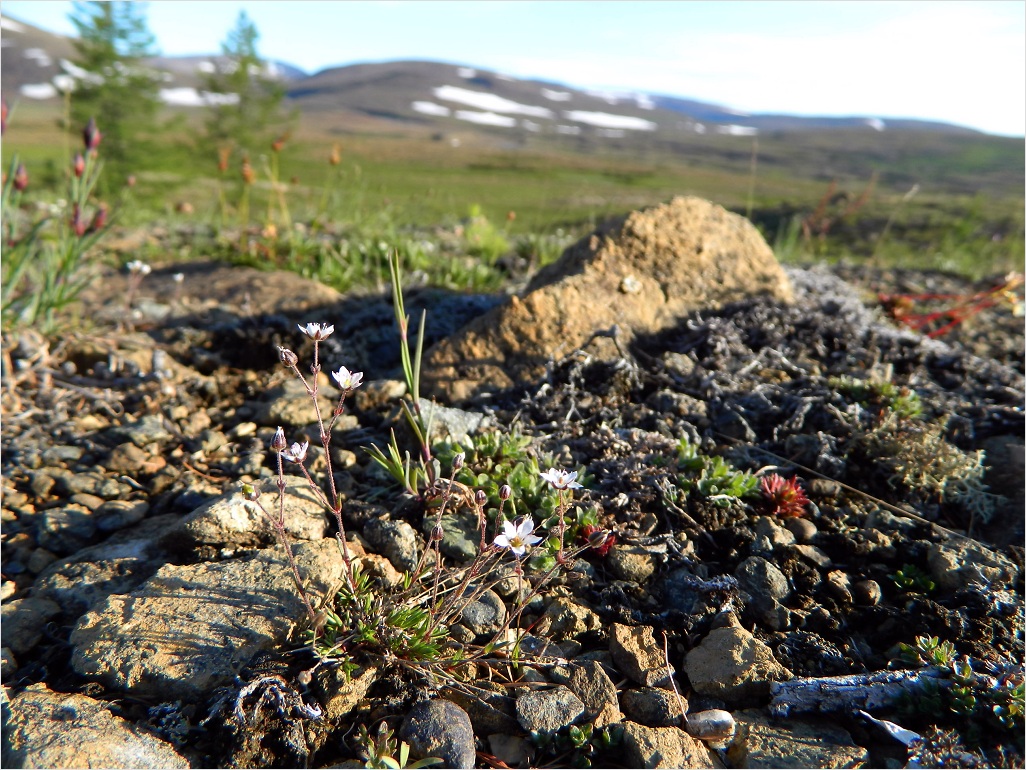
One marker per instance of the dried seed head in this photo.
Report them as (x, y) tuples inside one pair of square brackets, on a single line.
[(287, 357), (505, 493), (278, 443), (480, 497), (458, 460)]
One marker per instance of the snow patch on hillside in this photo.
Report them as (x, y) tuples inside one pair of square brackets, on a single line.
[(607, 120), (430, 108), (11, 26), (489, 102), (486, 118), (190, 97)]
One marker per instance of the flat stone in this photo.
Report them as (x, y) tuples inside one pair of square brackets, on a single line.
[(636, 653), (191, 628), (233, 521), (50, 729), (590, 682), (548, 710), (763, 742), (654, 707), (668, 747), (733, 665)]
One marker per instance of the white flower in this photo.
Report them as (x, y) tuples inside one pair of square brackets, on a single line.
[(347, 380), (560, 479), (138, 267), (317, 332), (297, 453), (517, 536)]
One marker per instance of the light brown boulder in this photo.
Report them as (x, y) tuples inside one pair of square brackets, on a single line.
[(640, 273)]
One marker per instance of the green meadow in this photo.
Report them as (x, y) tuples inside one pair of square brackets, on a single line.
[(454, 206)]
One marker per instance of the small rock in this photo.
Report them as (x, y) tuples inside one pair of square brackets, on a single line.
[(148, 429), (654, 707), (65, 530), (814, 555), (867, 593), (839, 585), (714, 726), (340, 692), (565, 618), (24, 621), (485, 615), (39, 560), (230, 520), (511, 749), (548, 710), (635, 651), (802, 529), (395, 540), (456, 425), (440, 728), (8, 665), (118, 514), (958, 562), (127, 458), (50, 729), (631, 562), (767, 587), (733, 665), (589, 682), (668, 747)]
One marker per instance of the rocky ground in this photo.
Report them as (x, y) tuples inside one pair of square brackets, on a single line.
[(149, 619)]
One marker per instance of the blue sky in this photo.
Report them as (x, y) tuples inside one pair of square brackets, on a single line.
[(961, 62)]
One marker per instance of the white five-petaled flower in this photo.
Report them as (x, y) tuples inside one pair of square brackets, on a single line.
[(297, 453), (347, 380), (137, 266), (561, 479), (317, 332), (517, 535)]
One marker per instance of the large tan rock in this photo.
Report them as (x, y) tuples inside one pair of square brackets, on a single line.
[(640, 273)]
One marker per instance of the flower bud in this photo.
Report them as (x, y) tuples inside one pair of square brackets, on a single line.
[(78, 166), (287, 357), (336, 155), (248, 175), (78, 223), (278, 443), (250, 492), (437, 532), (21, 178), (480, 497), (91, 135), (457, 461), (505, 493), (99, 220)]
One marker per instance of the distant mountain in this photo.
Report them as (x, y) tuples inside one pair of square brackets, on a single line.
[(436, 96)]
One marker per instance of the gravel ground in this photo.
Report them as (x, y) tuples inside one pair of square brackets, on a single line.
[(755, 383)]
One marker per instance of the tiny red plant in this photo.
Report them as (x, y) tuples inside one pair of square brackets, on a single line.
[(785, 495)]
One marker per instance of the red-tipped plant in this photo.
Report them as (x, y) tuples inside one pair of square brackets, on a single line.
[(786, 496)]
